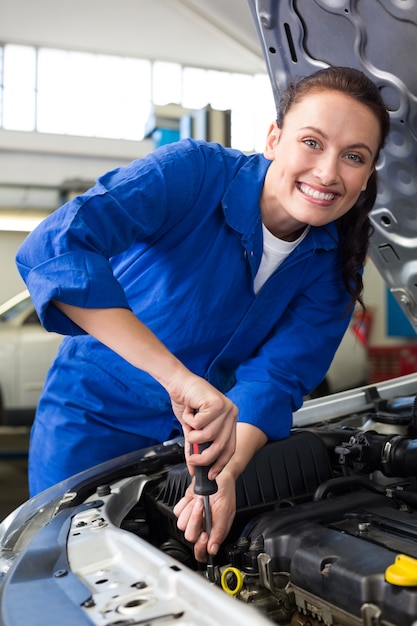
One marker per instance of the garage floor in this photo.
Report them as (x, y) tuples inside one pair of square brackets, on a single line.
[(13, 468)]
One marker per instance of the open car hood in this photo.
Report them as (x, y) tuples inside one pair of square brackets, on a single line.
[(378, 37)]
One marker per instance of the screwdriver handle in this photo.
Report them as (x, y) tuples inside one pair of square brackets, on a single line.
[(203, 486)]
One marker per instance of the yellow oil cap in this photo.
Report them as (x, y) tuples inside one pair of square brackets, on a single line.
[(402, 572), (232, 581)]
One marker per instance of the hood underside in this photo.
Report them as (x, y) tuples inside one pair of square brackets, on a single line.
[(378, 37)]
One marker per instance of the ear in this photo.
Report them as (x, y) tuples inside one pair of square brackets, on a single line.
[(271, 141)]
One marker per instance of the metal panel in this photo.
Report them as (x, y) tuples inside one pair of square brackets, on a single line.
[(380, 38)]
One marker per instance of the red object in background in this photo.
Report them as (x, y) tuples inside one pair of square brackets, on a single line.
[(361, 326), (391, 361)]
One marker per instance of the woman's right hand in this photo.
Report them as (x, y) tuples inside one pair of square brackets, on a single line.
[(206, 415)]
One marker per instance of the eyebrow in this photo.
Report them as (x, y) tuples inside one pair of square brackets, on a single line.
[(354, 146)]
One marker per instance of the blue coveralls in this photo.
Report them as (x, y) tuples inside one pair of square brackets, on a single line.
[(176, 237)]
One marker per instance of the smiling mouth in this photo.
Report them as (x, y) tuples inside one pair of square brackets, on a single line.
[(314, 193)]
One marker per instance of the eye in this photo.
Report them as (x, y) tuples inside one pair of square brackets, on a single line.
[(355, 158), (312, 143)]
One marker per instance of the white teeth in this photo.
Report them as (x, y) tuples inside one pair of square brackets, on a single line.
[(313, 193)]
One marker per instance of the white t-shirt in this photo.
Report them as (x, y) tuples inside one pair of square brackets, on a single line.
[(274, 253)]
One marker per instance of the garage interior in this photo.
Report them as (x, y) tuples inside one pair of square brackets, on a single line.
[(39, 170)]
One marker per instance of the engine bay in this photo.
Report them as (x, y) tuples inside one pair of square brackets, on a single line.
[(325, 532), (326, 524)]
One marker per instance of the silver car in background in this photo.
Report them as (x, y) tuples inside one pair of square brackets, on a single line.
[(26, 352)]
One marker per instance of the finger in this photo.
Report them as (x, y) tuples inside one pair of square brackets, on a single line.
[(200, 548), (184, 506), (222, 440), (187, 453), (218, 533), (185, 501), (215, 457), (222, 460), (194, 518), (203, 416), (211, 419), (183, 514), (223, 518), (188, 416)]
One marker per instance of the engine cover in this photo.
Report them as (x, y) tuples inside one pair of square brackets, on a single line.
[(338, 550)]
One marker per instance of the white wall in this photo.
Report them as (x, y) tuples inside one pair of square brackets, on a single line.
[(218, 34), (374, 298)]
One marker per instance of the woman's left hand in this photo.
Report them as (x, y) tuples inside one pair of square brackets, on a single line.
[(190, 509), (191, 519)]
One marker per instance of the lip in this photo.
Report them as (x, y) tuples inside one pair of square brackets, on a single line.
[(315, 194)]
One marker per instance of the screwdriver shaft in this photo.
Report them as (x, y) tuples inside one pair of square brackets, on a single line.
[(210, 559), (205, 487)]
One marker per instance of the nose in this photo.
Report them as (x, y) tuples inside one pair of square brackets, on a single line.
[(326, 169)]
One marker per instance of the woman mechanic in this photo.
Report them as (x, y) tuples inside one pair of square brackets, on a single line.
[(206, 290)]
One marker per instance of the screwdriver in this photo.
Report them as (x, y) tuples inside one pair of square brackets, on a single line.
[(205, 487)]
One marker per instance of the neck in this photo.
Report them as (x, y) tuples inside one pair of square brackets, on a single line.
[(275, 218), (291, 235)]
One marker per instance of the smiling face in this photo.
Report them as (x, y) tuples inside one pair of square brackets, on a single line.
[(322, 158)]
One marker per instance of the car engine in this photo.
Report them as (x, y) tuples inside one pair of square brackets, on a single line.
[(325, 532), (326, 524)]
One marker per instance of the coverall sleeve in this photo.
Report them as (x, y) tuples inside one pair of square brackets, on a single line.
[(68, 257), (272, 383)]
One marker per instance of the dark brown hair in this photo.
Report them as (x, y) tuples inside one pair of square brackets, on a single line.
[(354, 227)]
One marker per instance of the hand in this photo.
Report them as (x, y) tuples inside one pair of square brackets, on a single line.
[(190, 513), (205, 415), (190, 509)]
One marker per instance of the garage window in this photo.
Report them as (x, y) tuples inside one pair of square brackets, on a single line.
[(96, 95)]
